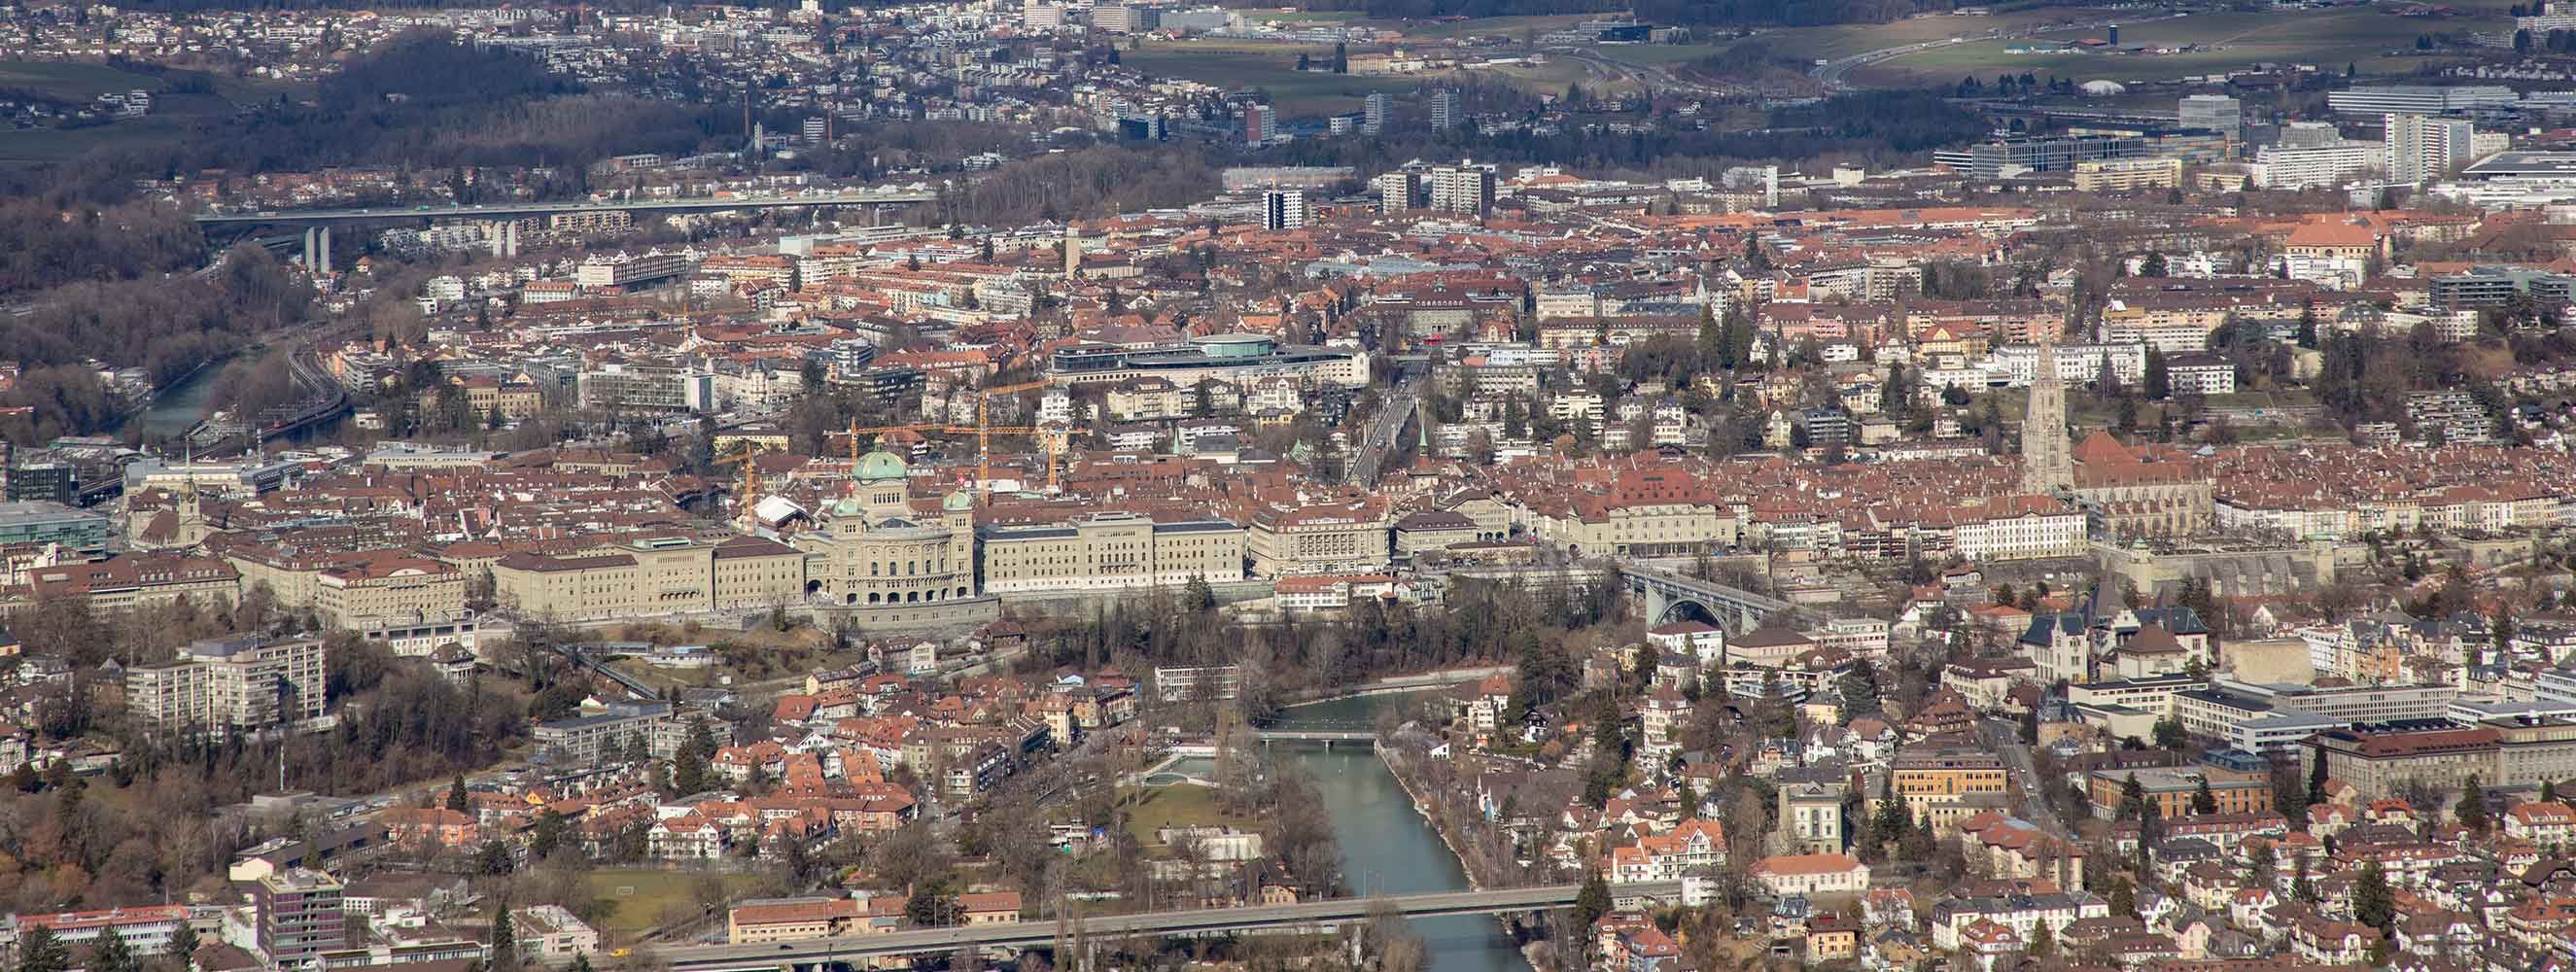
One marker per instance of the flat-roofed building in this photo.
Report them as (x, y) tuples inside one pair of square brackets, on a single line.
[(219, 686), (791, 919), (2245, 787), (1109, 550)]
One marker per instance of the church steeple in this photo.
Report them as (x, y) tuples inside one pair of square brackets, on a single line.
[(2047, 467)]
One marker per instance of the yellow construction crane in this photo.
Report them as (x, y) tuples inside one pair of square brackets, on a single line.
[(1054, 440), (750, 478), (984, 422)]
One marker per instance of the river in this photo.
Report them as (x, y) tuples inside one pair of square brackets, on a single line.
[(1386, 845), (179, 407)]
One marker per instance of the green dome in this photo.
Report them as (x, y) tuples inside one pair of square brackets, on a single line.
[(877, 467), (957, 501)]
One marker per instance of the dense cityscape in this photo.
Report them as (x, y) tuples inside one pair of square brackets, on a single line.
[(1365, 486)]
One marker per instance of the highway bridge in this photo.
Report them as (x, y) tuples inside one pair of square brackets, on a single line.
[(1311, 915), (301, 217)]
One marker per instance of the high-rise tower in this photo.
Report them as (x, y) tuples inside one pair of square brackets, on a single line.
[(2047, 463)]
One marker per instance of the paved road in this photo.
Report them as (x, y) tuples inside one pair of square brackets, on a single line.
[(2005, 738), (486, 210), (1834, 74), (1382, 432), (711, 958)]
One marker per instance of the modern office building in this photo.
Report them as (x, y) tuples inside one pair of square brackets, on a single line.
[(2048, 153), (2217, 113), (300, 913), (2420, 99), (647, 388), (1444, 109), (1374, 110), (2494, 286), (32, 526)]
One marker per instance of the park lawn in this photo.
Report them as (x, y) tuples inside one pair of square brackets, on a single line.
[(71, 81), (2331, 38), (641, 895), (1238, 65), (1152, 808)]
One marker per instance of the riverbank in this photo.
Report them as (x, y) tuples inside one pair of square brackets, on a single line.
[(1391, 852), (1533, 944)]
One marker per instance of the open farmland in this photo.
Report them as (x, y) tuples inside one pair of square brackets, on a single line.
[(2368, 38)]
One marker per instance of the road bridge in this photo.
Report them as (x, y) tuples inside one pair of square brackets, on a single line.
[(299, 217), (1671, 597), (1325, 736), (317, 223), (1309, 915)]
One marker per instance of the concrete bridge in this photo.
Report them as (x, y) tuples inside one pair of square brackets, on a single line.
[(317, 223), (1675, 597), (814, 953), (1325, 736), (306, 217)]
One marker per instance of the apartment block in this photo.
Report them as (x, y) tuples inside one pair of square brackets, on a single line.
[(221, 686)]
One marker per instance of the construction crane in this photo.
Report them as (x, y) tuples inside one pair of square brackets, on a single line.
[(984, 421), (1055, 440), (750, 478)]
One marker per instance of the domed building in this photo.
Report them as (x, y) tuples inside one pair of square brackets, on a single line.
[(877, 547)]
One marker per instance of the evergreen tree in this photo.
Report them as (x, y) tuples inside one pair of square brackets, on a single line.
[(2472, 810), (2158, 379), (2203, 801), (456, 799), (1593, 901), (690, 767), (2261, 860), (2307, 335), (2373, 903), (183, 941), (110, 954), (546, 834), (495, 859), (40, 951), (2317, 782), (1860, 690), (2124, 898), (2301, 889), (2133, 799), (505, 941), (2042, 940)]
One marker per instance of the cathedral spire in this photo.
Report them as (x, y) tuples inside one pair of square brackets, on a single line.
[(2046, 464)]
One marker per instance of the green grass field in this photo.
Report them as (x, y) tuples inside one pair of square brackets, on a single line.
[(2328, 39), (41, 145), (69, 81), (641, 896), (1156, 807)]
